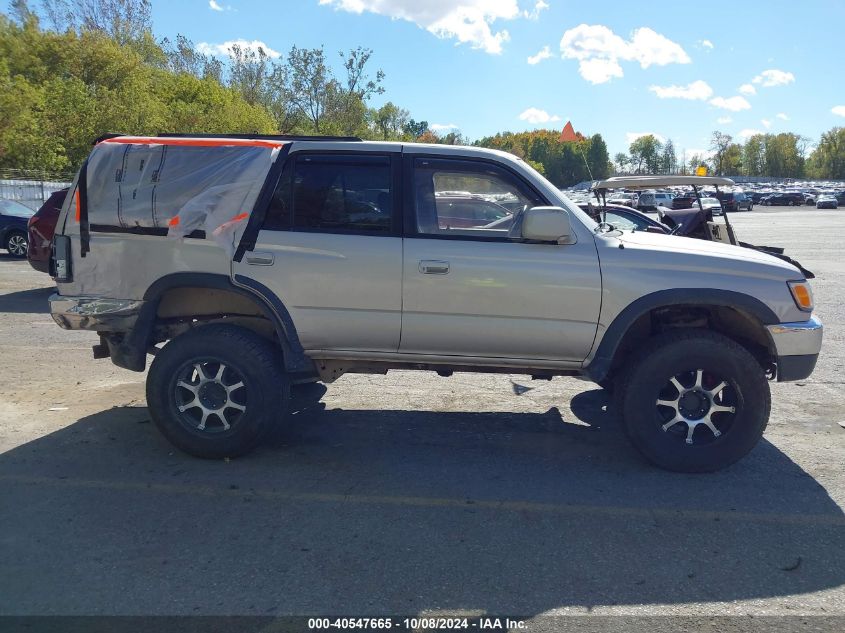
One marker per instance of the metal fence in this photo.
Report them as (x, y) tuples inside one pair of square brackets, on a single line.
[(31, 188)]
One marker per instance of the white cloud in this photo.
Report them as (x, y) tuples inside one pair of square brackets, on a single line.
[(442, 127), (748, 133), (633, 136), (724, 120), (706, 44), (535, 116), (773, 77), (838, 110), (216, 6), (544, 53), (467, 21), (782, 116), (598, 50), (535, 13), (225, 49), (767, 123), (747, 89), (695, 91), (599, 71), (734, 104), (706, 154)]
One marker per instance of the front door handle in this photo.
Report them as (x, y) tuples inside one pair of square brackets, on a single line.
[(434, 267), (258, 258)]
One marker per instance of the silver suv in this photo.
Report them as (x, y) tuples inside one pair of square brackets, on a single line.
[(267, 262)]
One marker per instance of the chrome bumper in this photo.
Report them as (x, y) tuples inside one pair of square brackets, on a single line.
[(95, 313), (797, 345), (799, 338)]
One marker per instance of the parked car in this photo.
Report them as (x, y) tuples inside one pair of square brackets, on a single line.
[(13, 219), (757, 196), (624, 218), (624, 199), (809, 199), (468, 211), (41, 228), (294, 289), (649, 201), (712, 205), (827, 202), (734, 200), (684, 201), (783, 199)]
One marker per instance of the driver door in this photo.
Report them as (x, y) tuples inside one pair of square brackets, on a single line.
[(471, 290)]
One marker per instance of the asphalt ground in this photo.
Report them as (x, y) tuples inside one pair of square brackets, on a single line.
[(413, 494)]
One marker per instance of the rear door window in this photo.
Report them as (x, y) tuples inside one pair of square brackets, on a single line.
[(334, 193)]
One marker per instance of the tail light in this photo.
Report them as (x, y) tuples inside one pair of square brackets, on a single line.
[(60, 259)]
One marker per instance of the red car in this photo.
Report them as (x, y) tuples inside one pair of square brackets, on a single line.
[(41, 226)]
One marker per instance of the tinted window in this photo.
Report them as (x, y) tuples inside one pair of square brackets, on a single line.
[(463, 197), (334, 193)]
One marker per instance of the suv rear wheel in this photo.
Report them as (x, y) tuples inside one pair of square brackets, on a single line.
[(217, 390), (694, 401)]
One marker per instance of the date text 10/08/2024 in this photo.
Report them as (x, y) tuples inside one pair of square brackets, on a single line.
[(417, 623)]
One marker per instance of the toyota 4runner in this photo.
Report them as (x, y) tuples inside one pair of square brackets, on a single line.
[(265, 262)]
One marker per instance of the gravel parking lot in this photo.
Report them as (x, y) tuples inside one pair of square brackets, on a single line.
[(411, 493)]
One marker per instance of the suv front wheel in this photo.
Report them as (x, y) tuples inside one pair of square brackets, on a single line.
[(694, 401), (217, 390)]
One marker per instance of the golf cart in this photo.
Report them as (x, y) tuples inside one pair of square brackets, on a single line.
[(696, 222)]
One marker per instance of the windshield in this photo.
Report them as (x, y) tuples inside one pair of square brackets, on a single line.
[(560, 198)]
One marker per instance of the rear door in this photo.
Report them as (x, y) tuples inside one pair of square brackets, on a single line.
[(330, 249), (473, 291)]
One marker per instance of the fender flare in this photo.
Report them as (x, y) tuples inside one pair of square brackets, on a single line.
[(599, 366), (136, 343)]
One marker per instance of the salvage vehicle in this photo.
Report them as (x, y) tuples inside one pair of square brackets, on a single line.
[(245, 264)]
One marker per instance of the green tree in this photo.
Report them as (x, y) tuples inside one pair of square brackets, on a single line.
[(415, 129), (645, 154), (719, 143), (668, 158), (598, 157), (390, 121), (828, 159)]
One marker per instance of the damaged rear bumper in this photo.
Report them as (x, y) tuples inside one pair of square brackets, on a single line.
[(95, 313)]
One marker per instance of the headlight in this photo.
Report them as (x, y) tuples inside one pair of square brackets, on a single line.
[(802, 293)]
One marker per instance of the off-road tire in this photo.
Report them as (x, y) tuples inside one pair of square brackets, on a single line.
[(256, 363), (667, 355)]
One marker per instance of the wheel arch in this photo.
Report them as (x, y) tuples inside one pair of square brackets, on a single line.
[(164, 293), (738, 316)]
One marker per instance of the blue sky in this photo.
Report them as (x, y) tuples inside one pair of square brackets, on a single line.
[(677, 69)]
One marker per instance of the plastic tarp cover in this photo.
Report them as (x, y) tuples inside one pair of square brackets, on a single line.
[(181, 187)]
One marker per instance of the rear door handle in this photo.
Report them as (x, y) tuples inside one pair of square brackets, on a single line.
[(434, 267), (258, 258)]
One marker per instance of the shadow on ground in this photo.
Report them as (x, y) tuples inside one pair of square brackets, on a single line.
[(380, 511), (33, 301)]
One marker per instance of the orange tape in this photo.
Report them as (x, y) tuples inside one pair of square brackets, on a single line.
[(174, 221), (194, 142), (78, 206)]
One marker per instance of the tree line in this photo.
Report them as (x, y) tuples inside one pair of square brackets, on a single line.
[(73, 70), (783, 155), (77, 69)]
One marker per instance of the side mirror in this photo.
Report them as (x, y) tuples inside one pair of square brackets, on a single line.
[(547, 224)]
